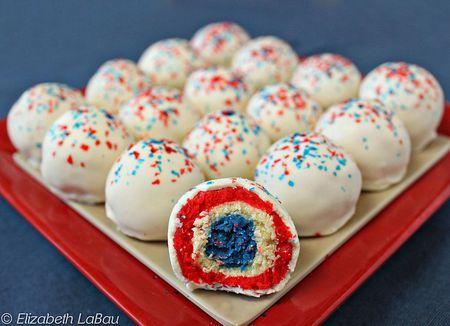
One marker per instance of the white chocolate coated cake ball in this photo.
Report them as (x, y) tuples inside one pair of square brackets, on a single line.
[(114, 83), (216, 43), (144, 185), (34, 112), (413, 93), (78, 151), (375, 137), (265, 60), (159, 113), (215, 89), (226, 144), (328, 78), (232, 235), (169, 62), (283, 109), (316, 181)]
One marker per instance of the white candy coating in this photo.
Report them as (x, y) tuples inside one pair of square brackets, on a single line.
[(169, 62), (283, 109), (144, 185), (328, 78), (374, 136), (114, 83), (216, 43), (265, 60), (34, 112), (316, 181), (226, 144), (215, 89), (78, 151), (159, 113), (413, 93)]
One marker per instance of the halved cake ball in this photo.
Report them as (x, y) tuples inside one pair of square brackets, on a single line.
[(114, 83), (216, 43), (78, 151), (265, 60), (159, 113), (34, 112), (317, 182), (232, 235), (226, 144), (329, 78), (283, 109), (374, 136), (413, 93), (169, 62), (215, 89), (144, 185)]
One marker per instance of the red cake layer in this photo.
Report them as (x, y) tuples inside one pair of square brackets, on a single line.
[(206, 200)]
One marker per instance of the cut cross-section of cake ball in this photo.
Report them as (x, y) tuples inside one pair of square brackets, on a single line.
[(265, 60), (232, 235), (78, 151), (144, 185), (34, 112), (328, 78), (159, 113), (316, 182), (374, 136), (216, 43), (169, 62), (283, 109), (226, 144), (413, 93), (114, 83)]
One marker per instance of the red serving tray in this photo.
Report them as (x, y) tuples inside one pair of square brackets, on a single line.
[(148, 300)]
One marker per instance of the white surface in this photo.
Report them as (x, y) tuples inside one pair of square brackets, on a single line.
[(232, 309)]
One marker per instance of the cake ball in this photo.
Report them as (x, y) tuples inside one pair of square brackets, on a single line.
[(159, 113), (328, 78), (169, 62), (34, 112), (215, 89), (226, 144), (114, 83), (144, 185), (216, 43), (374, 136), (283, 109), (232, 235), (265, 60), (78, 151), (317, 182), (413, 93)]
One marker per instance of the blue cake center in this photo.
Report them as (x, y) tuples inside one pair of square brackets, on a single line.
[(231, 241)]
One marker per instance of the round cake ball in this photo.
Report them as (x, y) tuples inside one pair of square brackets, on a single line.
[(169, 62), (413, 93), (283, 109), (78, 151), (216, 89), (158, 113), (316, 181), (328, 78), (217, 42), (34, 112), (374, 136), (265, 60), (226, 144), (114, 83), (144, 185), (232, 235)]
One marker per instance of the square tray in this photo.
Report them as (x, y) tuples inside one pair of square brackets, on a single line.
[(121, 278)]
